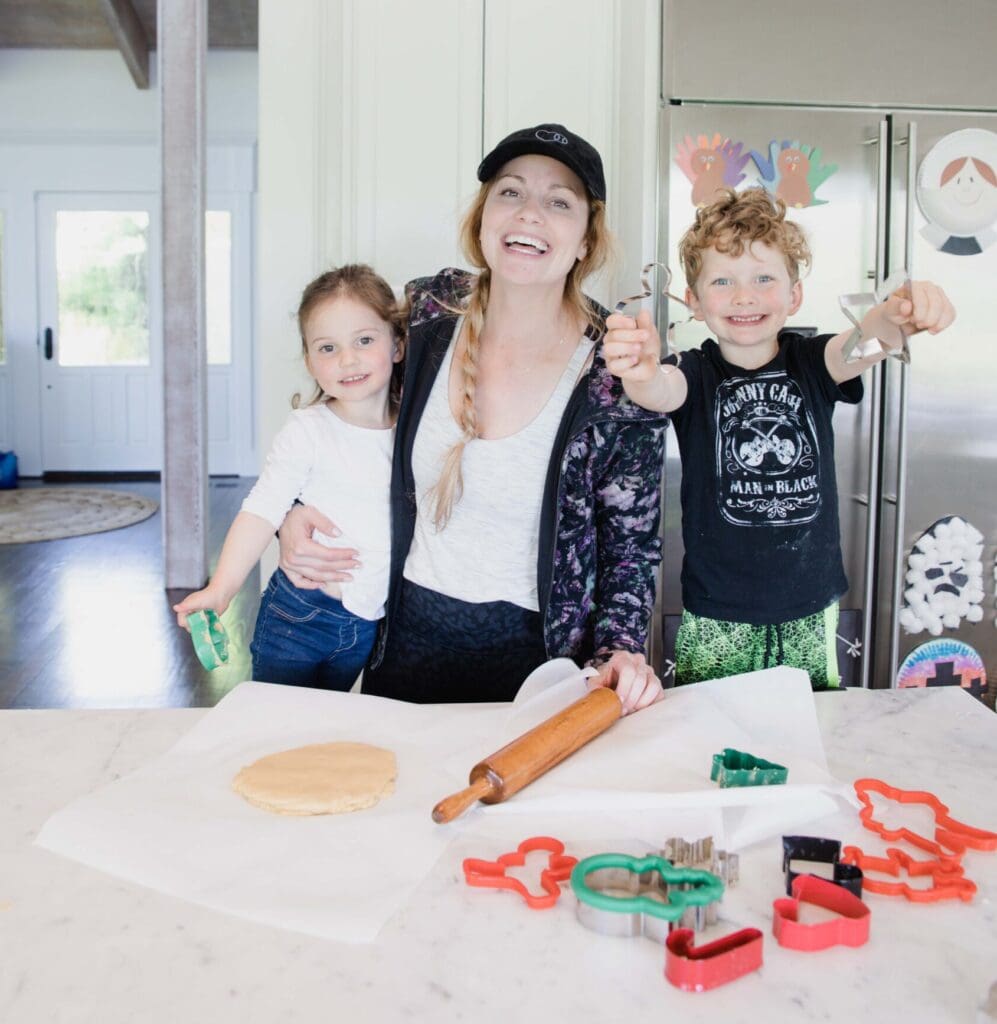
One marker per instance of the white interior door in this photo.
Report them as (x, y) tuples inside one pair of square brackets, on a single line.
[(100, 330)]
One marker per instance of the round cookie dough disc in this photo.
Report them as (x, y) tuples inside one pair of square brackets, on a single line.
[(322, 778)]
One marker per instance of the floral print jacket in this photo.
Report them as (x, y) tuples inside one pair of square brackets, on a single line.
[(599, 545)]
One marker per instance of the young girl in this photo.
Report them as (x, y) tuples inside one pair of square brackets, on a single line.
[(335, 453)]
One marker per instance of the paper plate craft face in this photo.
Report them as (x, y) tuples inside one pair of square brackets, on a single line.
[(944, 663), (957, 192), (944, 578)]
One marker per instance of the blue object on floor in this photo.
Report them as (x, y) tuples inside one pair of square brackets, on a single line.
[(8, 471)]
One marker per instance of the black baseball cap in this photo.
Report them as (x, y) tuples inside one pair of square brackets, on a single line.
[(553, 140)]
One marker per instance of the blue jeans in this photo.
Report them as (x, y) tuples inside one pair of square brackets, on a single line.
[(306, 638)]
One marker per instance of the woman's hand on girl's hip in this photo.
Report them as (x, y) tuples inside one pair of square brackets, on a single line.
[(632, 678), (308, 563)]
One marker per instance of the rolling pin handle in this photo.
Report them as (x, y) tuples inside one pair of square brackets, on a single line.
[(452, 806)]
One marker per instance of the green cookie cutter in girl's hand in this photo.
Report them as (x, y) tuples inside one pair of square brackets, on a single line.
[(210, 638), (623, 895)]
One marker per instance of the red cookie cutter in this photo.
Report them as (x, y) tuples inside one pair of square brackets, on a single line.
[(955, 835), (947, 883), (698, 968), (491, 874), (849, 928)]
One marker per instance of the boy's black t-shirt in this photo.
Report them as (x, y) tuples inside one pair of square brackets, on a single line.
[(759, 495)]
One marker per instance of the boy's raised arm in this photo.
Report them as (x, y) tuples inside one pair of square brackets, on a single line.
[(633, 353), (927, 308)]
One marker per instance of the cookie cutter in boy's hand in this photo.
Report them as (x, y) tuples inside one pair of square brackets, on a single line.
[(849, 928), (648, 291), (623, 895), (948, 883), (954, 836), (699, 968), (737, 768), (490, 874), (210, 639), (854, 348), (819, 851)]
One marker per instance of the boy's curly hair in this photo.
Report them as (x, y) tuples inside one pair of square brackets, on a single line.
[(736, 219)]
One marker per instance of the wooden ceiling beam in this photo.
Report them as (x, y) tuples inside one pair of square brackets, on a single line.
[(130, 37)]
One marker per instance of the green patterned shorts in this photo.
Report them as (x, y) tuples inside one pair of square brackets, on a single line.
[(710, 648)]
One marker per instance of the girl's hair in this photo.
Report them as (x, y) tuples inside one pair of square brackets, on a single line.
[(360, 282), (736, 219), (953, 168), (598, 249)]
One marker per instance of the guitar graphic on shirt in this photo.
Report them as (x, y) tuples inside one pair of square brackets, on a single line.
[(754, 451)]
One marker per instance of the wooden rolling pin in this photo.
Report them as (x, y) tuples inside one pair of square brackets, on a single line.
[(518, 763)]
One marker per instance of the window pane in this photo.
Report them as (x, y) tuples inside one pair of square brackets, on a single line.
[(3, 346), (102, 274), (218, 284)]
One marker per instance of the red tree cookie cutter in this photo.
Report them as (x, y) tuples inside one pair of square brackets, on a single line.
[(491, 874), (947, 883), (955, 835), (698, 968), (849, 928)]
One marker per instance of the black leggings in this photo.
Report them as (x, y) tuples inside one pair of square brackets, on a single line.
[(442, 651)]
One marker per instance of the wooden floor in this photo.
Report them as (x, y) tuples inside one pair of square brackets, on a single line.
[(86, 622)]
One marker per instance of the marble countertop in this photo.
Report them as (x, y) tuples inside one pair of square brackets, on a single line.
[(80, 946)]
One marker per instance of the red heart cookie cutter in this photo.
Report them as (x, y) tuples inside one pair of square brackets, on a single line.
[(849, 928)]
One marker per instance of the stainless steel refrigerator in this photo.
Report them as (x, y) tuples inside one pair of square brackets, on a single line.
[(920, 451)]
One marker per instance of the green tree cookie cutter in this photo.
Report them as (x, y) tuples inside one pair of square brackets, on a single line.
[(210, 638), (736, 768), (619, 894)]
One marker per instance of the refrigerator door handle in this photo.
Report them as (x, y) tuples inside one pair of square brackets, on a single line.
[(899, 540), (875, 413)]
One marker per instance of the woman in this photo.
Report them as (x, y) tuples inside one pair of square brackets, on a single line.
[(525, 486)]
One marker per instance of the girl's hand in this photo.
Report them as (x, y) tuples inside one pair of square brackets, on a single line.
[(200, 601), (308, 563), (633, 679), (926, 308), (632, 348)]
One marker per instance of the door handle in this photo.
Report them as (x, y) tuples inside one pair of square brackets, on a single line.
[(48, 342)]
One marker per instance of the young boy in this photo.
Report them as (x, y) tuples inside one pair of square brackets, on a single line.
[(763, 570)]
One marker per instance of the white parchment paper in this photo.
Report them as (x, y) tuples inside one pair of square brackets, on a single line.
[(176, 826)]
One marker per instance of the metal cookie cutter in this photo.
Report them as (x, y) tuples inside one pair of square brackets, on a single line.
[(702, 854), (736, 768), (947, 883), (209, 637), (820, 851), (647, 291), (954, 835), (490, 874), (854, 348), (623, 895), (849, 928), (698, 968)]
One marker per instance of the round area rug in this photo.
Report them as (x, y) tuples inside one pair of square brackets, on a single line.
[(48, 513)]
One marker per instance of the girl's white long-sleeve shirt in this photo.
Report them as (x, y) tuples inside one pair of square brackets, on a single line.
[(345, 472)]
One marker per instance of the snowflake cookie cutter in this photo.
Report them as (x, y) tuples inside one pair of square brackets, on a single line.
[(491, 874), (622, 895), (854, 348)]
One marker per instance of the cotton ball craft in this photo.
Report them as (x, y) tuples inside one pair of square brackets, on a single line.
[(944, 578)]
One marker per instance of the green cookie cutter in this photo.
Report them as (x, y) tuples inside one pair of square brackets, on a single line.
[(210, 638), (736, 768), (619, 894)]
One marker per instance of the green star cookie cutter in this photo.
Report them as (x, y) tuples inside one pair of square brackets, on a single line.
[(210, 638), (736, 768), (619, 894)]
